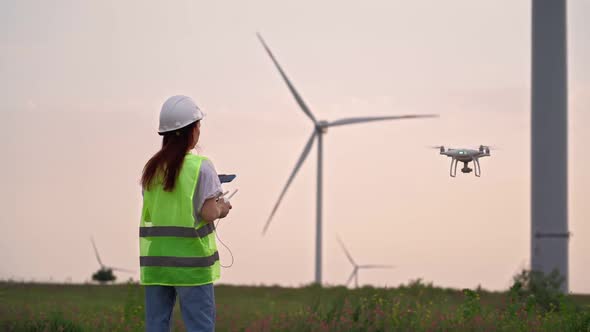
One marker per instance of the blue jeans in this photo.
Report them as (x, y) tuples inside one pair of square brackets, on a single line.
[(197, 305)]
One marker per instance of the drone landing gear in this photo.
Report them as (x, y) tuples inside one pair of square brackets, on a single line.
[(477, 167), (465, 169), (453, 170)]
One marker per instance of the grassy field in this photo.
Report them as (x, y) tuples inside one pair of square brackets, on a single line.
[(415, 307)]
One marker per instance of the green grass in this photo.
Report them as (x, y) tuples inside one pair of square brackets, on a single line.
[(415, 307)]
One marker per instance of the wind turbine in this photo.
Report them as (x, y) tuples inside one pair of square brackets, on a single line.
[(319, 130), (356, 267), (549, 123), (105, 274)]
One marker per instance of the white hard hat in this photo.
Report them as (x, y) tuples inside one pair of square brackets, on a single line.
[(178, 112)]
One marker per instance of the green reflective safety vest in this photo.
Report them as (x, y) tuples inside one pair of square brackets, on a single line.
[(173, 250)]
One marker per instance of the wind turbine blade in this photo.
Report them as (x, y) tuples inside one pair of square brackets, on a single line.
[(350, 278), (298, 98), (121, 270), (346, 251), (302, 158), (96, 252), (376, 266), (347, 121)]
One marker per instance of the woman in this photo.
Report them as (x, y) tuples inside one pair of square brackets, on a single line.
[(181, 200)]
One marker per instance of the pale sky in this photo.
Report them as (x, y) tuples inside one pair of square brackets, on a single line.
[(81, 85)]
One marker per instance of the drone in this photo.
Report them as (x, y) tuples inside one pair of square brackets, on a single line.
[(465, 156)]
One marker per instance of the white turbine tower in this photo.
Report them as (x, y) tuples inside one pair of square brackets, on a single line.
[(549, 225), (356, 267), (320, 128)]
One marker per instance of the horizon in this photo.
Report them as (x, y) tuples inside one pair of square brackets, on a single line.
[(83, 84)]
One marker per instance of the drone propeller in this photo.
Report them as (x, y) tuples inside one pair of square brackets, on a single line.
[(486, 148), (489, 147), (437, 147)]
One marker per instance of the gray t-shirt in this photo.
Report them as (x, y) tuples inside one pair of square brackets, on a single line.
[(208, 186)]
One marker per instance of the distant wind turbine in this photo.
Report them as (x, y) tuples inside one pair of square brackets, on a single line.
[(320, 128), (356, 267), (105, 274)]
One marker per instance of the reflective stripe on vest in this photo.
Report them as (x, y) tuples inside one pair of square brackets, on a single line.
[(173, 251), (179, 261), (176, 231)]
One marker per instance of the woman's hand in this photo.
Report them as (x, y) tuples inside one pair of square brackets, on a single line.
[(224, 207), (215, 208)]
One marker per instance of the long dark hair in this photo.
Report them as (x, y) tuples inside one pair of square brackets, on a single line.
[(166, 163)]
